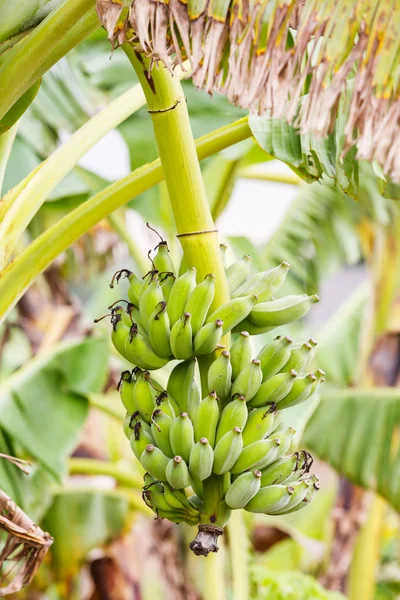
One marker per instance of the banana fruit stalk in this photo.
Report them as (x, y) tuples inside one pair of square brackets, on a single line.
[(224, 443)]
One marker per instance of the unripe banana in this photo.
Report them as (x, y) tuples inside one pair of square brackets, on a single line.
[(301, 390), (274, 356), (197, 486), (153, 483), (224, 483), (134, 284), (181, 436), (234, 415), (240, 353), (155, 462), (264, 284), (136, 317), (125, 387), (167, 404), (274, 389), (281, 471), (201, 460), (260, 423), (299, 357), (208, 337), (126, 426), (243, 489), (144, 396), (238, 272), (196, 502), (299, 492), (179, 295), (177, 473), (162, 260), (180, 384), (149, 299), (139, 439), (233, 312), (256, 456), (119, 332), (220, 375), (270, 499), (194, 398), (227, 451), (283, 440), (167, 282), (158, 330), (160, 426), (181, 337), (205, 418), (308, 497), (248, 381), (139, 352), (282, 311), (199, 302), (177, 498), (319, 378)]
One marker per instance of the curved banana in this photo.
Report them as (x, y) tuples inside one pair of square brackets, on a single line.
[(300, 356), (208, 337), (139, 352), (301, 390), (139, 439), (160, 426), (283, 440), (180, 383), (205, 418), (238, 272), (162, 260), (280, 471), (155, 462), (270, 499), (201, 460), (233, 312), (256, 456), (233, 415), (181, 436), (308, 497), (219, 375), (248, 382), (177, 473), (265, 284), (158, 330), (274, 389), (179, 295), (125, 387), (240, 353), (243, 489), (261, 422), (149, 299), (227, 451), (181, 337), (282, 311), (200, 301)]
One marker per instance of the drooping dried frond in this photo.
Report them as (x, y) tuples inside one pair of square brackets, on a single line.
[(23, 546), (266, 54)]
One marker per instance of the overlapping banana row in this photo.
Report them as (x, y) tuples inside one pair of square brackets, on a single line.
[(229, 437)]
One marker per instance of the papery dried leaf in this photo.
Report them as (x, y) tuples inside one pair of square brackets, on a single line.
[(248, 50)]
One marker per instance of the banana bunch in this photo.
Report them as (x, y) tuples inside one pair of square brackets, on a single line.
[(207, 452)]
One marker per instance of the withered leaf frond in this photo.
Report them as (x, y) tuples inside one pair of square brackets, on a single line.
[(266, 54)]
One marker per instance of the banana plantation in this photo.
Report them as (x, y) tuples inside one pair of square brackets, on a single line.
[(200, 299)]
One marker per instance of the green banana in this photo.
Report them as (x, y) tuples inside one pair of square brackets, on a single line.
[(144, 396), (167, 404), (240, 353), (134, 284), (274, 389), (260, 423), (208, 337), (155, 462), (282, 311), (153, 483), (319, 378), (196, 502), (205, 418), (136, 317), (179, 295), (270, 499), (301, 390), (197, 486), (308, 497), (283, 440), (177, 473), (243, 489), (160, 427), (181, 337), (234, 415), (201, 460), (233, 312), (149, 299), (126, 426), (274, 356), (219, 375), (158, 330), (256, 456), (180, 384), (264, 284), (119, 332), (227, 451), (177, 498), (140, 439), (224, 483), (162, 260), (238, 272), (199, 302), (167, 281), (125, 387), (139, 352), (248, 382), (300, 356), (283, 470), (181, 436)]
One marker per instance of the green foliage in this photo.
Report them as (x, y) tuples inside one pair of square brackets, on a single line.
[(289, 585)]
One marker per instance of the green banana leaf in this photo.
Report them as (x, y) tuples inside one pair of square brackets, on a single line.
[(289, 585), (23, 15), (79, 521), (357, 432), (19, 108)]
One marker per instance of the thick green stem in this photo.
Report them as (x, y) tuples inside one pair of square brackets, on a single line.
[(91, 466), (20, 274), (29, 59), (239, 553)]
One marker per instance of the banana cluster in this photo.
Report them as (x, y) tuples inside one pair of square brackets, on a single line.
[(208, 452), (166, 316)]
